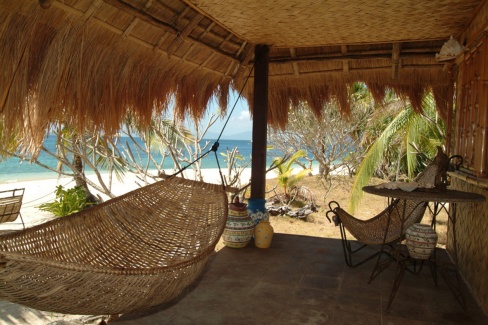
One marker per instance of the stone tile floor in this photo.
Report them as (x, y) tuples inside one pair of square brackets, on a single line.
[(304, 280)]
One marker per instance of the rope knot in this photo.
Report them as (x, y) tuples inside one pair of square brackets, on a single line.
[(215, 147)]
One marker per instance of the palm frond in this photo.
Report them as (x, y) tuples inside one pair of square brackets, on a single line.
[(374, 155), (422, 132)]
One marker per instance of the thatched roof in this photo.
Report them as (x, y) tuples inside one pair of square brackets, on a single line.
[(88, 62)]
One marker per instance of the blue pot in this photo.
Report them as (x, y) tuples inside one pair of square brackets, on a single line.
[(257, 211)]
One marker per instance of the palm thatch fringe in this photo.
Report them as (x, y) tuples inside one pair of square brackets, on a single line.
[(319, 89), (61, 68)]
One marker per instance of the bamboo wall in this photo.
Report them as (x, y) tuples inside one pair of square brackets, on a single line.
[(472, 239), (471, 142), (471, 132)]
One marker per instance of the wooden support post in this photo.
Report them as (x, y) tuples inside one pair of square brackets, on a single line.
[(260, 122)]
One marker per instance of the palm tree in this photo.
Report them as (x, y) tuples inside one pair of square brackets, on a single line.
[(284, 169), (416, 136)]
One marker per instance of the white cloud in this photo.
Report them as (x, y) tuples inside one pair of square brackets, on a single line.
[(244, 116)]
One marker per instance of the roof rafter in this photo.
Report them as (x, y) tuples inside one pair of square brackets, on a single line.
[(128, 8)]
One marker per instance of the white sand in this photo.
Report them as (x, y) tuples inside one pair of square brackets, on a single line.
[(42, 191)]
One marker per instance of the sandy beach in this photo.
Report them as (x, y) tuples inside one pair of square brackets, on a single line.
[(38, 192)]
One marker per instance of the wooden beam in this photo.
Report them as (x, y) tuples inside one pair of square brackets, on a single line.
[(131, 10), (132, 38), (212, 24), (395, 60), (183, 58), (91, 10), (260, 122), (244, 63), (293, 54), (221, 45), (351, 57), (229, 68), (191, 25), (207, 60), (181, 37), (129, 29), (180, 16), (345, 62), (135, 21), (243, 45), (371, 69), (161, 40)]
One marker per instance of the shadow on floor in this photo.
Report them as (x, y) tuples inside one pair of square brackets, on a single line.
[(304, 280)]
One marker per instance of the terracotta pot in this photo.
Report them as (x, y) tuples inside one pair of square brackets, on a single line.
[(421, 241), (239, 227)]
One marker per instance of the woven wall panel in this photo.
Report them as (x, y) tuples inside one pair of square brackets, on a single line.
[(472, 113), (285, 22), (472, 230)]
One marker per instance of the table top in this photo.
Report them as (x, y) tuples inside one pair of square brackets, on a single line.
[(449, 196)]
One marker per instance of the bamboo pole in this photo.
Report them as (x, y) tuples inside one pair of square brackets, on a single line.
[(482, 140)]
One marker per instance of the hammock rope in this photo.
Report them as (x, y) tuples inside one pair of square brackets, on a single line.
[(130, 253), (133, 252), (216, 144)]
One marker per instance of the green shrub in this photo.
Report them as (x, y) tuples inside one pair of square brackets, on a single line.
[(67, 201)]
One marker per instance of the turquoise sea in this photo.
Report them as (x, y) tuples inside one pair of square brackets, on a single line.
[(14, 169)]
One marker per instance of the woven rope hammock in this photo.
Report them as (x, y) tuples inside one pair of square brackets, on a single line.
[(130, 253)]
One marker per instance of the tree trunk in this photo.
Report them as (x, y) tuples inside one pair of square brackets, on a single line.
[(80, 179), (324, 170)]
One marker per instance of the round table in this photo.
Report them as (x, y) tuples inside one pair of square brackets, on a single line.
[(440, 199), (448, 196)]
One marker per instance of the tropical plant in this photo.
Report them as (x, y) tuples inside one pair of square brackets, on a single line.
[(284, 170), (67, 201), (78, 151), (405, 140)]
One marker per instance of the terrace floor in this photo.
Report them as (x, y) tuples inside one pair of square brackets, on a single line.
[(304, 280)]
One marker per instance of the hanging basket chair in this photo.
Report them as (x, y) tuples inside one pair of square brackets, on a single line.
[(130, 253)]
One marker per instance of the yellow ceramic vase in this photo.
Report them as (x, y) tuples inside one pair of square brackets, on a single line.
[(263, 234)]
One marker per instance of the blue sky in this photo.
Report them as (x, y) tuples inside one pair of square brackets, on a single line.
[(239, 122)]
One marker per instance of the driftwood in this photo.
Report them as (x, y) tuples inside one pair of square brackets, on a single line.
[(278, 205), (282, 210)]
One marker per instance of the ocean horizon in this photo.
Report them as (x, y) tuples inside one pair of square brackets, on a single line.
[(15, 170)]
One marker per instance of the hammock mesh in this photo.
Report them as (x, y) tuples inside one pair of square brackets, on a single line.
[(130, 253)]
